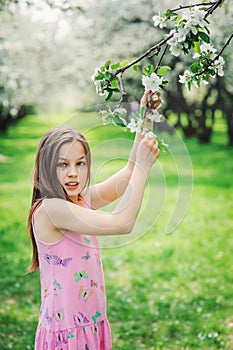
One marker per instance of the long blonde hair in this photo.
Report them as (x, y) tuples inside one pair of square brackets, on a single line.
[(45, 181)]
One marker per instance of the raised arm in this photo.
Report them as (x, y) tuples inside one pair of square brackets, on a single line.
[(109, 190), (68, 216)]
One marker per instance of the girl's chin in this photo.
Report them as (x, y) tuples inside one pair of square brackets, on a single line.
[(73, 196)]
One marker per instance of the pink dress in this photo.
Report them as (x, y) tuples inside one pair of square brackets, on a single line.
[(73, 307)]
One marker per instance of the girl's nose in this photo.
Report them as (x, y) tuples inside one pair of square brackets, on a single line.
[(72, 171)]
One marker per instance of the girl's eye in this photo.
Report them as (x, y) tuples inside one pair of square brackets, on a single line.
[(81, 163), (61, 165)]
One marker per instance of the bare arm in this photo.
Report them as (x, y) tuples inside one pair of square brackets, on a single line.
[(68, 216), (114, 187)]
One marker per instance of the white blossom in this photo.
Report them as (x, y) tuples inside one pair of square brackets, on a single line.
[(176, 50), (190, 27), (173, 40), (99, 89), (155, 116), (176, 41), (218, 65), (135, 126), (194, 17), (181, 34), (121, 110), (159, 21), (202, 82), (186, 77), (207, 48), (95, 74), (152, 83)]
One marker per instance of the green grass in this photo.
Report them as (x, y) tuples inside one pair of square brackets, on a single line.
[(164, 291)]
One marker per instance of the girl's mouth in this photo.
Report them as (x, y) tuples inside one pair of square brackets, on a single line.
[(72, 185)]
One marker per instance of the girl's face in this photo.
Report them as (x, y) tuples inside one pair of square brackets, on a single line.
[(72, 169)]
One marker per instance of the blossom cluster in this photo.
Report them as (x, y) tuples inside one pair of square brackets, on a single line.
[(105, 84), (207, 64), (135, 122), (152, 82), (191, 24), (190, 31), (99, 82)]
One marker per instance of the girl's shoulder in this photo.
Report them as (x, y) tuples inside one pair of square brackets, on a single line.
[(43, 226)]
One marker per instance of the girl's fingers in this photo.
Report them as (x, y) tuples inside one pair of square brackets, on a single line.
[(149, 100), (144, 99)]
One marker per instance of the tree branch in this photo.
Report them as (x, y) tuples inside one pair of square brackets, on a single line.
[(161, 58), (217, 56), (181, 7), (213, 7), (145, 54)]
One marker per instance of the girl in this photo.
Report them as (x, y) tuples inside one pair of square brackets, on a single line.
[(64, 223)]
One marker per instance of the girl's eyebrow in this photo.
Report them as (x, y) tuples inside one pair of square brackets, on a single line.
[(63, 158)]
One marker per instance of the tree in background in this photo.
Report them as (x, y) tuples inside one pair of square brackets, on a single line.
[(57, 54), (28, 55), (195, 112)]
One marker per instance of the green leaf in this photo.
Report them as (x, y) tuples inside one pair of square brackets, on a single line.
[(169, 13), (142, 112), (190, 84), (110, 93), (145, 70), (162, 70), (107, 64), (178, 20), (193, 37), (196, 47), (114, 83), (113, 89), (135, 66), (108, 118), (107, 75), (115, 66), (123, 63), (203, 36), (207, 29), (151, 68), (148, 70), (195, 67), (100, 76), (118, 121)]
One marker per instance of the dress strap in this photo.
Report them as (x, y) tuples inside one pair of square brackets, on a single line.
[(82, 202)]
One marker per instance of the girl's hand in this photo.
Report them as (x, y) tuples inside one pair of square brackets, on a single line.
[(147, 152), (151, 100)]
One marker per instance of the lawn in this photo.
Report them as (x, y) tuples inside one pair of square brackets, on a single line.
[(165, 291)]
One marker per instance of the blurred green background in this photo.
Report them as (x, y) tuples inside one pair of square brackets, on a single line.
[(165, 291)]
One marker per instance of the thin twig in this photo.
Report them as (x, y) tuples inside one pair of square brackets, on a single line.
[(145, 54), (213, 8), (223, 48), (161, 58), (181, 7), (123, 93)]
